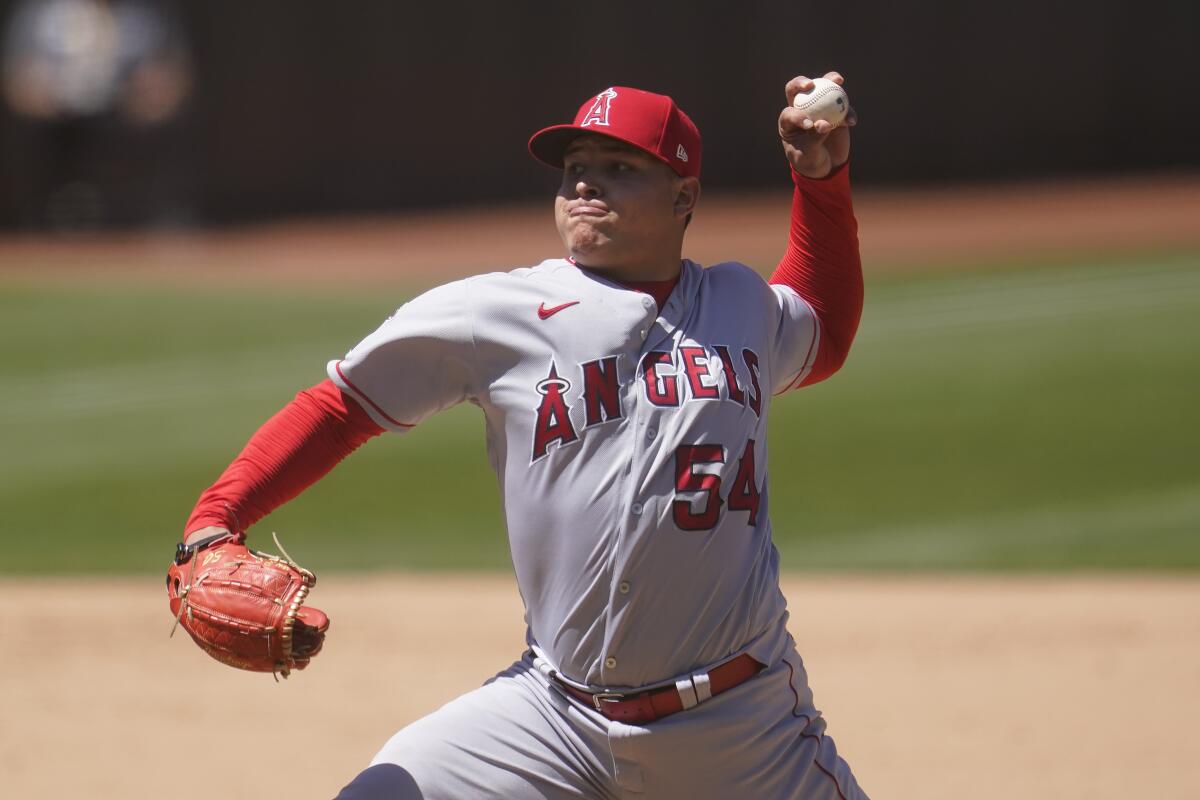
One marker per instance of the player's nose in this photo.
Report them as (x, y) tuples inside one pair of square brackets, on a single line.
[(586, 188)]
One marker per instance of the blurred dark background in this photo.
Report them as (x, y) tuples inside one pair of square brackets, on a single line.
[(161, 112)]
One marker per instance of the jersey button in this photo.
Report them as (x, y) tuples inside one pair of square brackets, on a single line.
[(650, 434), (636, 508), (610, 662), (623, 587), (648, 302)]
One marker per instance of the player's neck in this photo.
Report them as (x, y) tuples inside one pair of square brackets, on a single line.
[(637, 272)]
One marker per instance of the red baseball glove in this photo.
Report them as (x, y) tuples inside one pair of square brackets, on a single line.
[(245, 608)]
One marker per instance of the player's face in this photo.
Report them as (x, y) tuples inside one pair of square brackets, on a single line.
[(621, 210)]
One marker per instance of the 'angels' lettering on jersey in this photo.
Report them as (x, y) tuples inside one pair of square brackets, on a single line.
[(692, 373), (628, 440)]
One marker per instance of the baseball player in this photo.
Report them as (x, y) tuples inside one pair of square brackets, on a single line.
[(626, 392)]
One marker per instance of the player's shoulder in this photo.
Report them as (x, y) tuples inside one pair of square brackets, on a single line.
[(495, 284), (494, 296), (733, 272), (546, 270), (734, 284), (735, 277)]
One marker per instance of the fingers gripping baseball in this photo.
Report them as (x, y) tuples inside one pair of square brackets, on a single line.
[(245, 608), (814, 141)]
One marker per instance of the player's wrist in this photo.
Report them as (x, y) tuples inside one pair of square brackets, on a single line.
[(194, 536), (799, 177)]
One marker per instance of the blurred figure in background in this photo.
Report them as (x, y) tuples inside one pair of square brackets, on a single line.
[(86, 77)]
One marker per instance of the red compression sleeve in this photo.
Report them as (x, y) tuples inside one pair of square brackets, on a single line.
[(289, 453), (823, 266)]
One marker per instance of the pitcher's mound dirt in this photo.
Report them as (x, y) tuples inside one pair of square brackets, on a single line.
[(947, 687)]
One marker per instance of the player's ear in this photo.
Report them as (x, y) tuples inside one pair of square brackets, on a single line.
[(687, 194)]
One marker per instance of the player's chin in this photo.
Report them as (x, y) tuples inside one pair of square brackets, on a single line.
[(586, 240)]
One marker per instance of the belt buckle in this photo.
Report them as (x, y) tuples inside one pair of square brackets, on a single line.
[(606, 697)]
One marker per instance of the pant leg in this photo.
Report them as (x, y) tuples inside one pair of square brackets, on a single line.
[(512, 738), (763, 739), (381, 781)]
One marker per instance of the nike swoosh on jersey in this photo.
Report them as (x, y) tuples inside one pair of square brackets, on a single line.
[(547, 313)]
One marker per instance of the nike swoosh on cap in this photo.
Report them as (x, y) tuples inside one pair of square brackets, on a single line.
[(547, 313)]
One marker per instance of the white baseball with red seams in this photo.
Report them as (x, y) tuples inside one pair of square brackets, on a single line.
[(826, 100)]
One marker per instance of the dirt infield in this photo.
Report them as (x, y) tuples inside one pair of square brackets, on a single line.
[(909, 229), (947, 687)]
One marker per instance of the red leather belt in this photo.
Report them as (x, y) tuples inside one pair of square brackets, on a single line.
[(642, 707)]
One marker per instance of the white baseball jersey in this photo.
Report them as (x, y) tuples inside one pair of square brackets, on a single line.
[(630, 443)]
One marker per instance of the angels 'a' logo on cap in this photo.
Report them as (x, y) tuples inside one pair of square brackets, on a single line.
[(598, 113), (680, 153)]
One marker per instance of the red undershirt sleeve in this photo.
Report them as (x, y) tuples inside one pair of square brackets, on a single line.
[(289, 453), (822, 265)]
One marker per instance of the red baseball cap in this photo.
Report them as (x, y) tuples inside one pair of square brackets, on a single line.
[(648, 121)]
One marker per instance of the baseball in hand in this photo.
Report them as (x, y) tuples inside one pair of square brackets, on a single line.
[(826, 101)]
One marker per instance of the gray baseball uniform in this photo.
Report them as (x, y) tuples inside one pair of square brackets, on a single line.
[(630, 444)]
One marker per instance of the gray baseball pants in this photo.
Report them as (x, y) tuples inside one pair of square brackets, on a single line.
[(519, 736)]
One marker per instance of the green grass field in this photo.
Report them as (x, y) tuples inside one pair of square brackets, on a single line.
[(1033, 417)]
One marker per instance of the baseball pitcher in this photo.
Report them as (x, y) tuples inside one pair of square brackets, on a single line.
[(626, 392)]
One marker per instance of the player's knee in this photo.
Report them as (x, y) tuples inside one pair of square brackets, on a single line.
[(382, 782)]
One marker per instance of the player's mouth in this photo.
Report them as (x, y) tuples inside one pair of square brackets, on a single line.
[(583, 210)]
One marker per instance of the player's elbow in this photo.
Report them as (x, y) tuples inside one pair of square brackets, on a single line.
[(831, 355)]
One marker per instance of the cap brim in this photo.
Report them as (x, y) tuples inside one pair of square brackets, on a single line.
[(549, 144)]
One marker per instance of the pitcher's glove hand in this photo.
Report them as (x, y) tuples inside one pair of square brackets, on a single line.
[(245, 608)]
